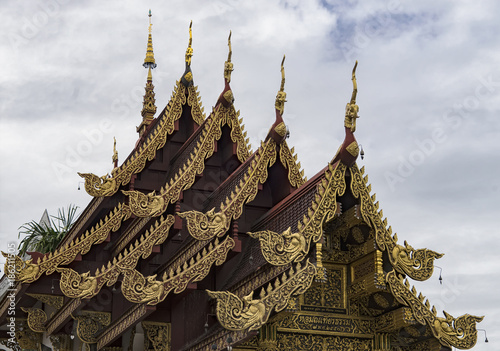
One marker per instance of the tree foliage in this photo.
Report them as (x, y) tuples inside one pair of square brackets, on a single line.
[(43, 236)]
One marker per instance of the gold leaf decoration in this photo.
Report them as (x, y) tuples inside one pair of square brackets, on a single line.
[(206, 226), (417, 264), (139, 289), (283, 248), (36, 319), (289, 161), (84, 285), (28, 272), (248, 313), (451, 332)]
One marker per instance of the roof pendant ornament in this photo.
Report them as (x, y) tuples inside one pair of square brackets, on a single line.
[(279, 131), (187, 77), (226, 98), (148, 106), (349, 150)]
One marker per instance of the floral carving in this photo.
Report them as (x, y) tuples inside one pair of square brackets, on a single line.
[(36, 319)]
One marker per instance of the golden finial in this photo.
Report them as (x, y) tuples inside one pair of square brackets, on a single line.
[(150, 76), (149, 61), (115, 154), (351, 109), (228, 66), (189, 50), (281, 97)]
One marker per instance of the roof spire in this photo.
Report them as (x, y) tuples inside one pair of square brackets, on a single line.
[(281, 97), (115, 154), (351, 109), (187, 77), (189, 50), (149, 61), (228, 65), (279, 131), (148, 105)]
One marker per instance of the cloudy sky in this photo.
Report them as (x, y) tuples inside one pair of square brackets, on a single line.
[(429, 96)]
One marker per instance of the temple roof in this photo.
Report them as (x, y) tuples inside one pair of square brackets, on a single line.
[(191, 196)]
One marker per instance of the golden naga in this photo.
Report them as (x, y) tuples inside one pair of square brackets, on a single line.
[(99, 186), (283, 248), (460, 332), (351, 109), (75, 285), (203, 226), (418, 264), (206, 226), (281, 96), (139, 289), (228, 65), (250, 314), (144, 205)]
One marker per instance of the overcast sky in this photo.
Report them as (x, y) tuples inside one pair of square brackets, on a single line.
[(429, 96)]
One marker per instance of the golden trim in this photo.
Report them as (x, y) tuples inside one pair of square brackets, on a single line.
[(206, 226), (451, 332), (157, 334), (36, 319), (286, 247), (90, 323), (417, 264), (139, 289), (28, 272), (289, 160), (236, 314), (51, 300), (84, 285)]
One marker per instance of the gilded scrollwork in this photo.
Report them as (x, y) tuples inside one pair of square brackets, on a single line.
[(417, 264), (51, 300), (286, 247), (28, 272), (90, 323), (247, 313), (451, 332), (106, 186), (206, 226), (139, 289), (194, 101), (84, 285), (156, 334), (289, 161), (36, 319)]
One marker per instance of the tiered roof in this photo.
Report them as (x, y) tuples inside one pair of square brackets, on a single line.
[(193, 209)]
